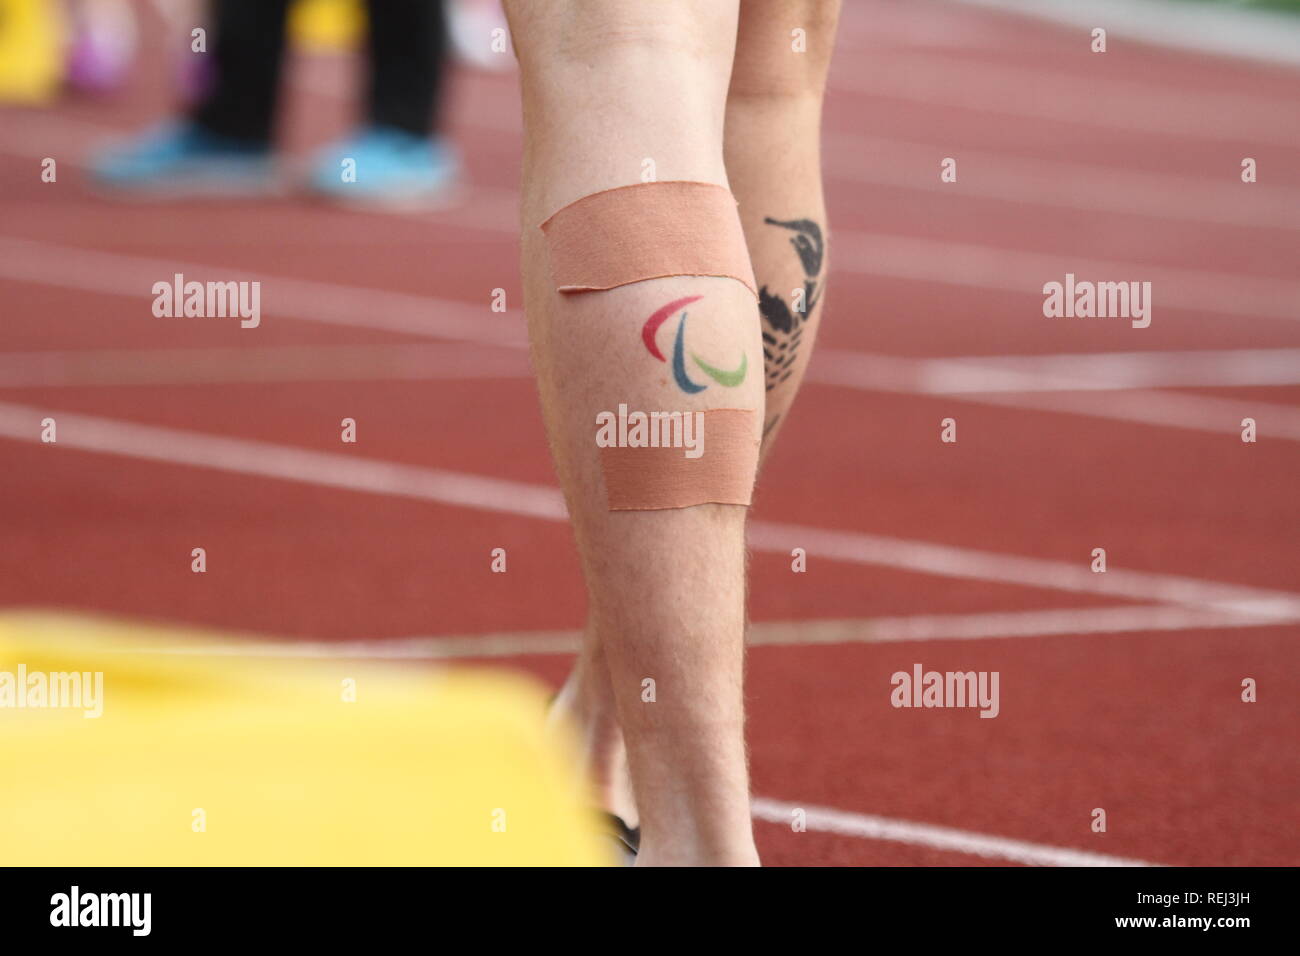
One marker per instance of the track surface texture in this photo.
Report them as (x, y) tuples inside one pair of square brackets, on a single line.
[(1118, 690)]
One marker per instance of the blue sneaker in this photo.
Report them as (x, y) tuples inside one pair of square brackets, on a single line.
[(178, 160), (386, 167)]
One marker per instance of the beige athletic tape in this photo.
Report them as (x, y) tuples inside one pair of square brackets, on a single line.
[(653, 479), (647, 231)]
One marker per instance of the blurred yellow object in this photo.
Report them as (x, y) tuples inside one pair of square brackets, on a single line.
[(326, 24), (215, 759), (31, 50)]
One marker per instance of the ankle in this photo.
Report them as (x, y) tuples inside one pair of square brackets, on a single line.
[(686, 854), (585, 703)]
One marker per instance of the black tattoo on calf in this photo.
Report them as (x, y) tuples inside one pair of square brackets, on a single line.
[(782, 325)]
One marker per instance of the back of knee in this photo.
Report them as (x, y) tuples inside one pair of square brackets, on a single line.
[(783, 50), (620, 34)]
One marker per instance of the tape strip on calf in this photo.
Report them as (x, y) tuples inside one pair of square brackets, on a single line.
[(661, 460), (679, 459), (647, 231)]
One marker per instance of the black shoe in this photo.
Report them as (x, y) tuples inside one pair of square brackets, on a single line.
[(628, 838)]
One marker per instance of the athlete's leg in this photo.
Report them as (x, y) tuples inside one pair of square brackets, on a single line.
[(587, 701), (773, 156), (610, 88)]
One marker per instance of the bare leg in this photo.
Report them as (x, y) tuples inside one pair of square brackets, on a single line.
[(607, 86), (587, 701), (773, 157)]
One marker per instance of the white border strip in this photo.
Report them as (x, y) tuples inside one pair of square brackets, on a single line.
[(203, 365), (870, 827), (445, 361), (1060, 184), (1208, 28), (1136, 619), (111, 273), (1017, 385), (983, 266)]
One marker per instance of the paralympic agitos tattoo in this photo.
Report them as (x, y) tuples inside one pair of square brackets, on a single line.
[(783, 327), (729, 379)]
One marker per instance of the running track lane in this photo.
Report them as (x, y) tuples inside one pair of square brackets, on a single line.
[(1129, 722)]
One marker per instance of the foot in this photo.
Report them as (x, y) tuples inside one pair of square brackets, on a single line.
[(601, 743), (183, 160), (388, 168)]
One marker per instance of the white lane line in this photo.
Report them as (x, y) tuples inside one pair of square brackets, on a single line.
[(269, 460), (1015, 270), (1098, 99), (1018, 386), (1079, 372), (1059, 184), (1231, 30), (331, 303), (287, 363), (1222, 416), (1136, 619), (332, 469), (1202, 368), (1000, 624), (870, 827), (964, 375), (452, 647), (970, 563)]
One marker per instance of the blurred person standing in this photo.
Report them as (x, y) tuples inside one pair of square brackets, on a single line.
[(102, 43), (223, 146)]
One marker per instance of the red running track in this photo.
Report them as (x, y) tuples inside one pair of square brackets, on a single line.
[(1066, 159)]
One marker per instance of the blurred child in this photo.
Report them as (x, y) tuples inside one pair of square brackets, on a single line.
[(102, 44)]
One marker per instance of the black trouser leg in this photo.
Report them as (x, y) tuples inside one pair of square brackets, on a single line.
[(408, 51), (248, 48)]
